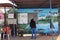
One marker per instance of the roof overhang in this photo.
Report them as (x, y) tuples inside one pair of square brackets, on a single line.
[(6, 3), (36, 3)]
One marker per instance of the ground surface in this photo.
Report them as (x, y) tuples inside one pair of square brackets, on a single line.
[(39, 37)]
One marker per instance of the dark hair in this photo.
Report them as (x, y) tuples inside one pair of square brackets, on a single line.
[(32, 19), (32, 23)]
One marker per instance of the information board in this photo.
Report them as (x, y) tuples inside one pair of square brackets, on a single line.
[(22, 18)]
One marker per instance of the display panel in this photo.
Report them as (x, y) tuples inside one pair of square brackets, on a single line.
[(22, 18)]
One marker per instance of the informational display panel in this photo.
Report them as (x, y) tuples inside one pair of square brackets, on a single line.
[(22, 18), (11, 15), (11, 21)]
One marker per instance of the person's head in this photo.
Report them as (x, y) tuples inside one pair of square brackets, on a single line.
[(32, 19)]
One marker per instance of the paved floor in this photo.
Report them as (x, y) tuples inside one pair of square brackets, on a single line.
[(39, 37)]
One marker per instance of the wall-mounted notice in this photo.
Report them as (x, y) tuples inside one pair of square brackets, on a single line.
[(22, 18), (11, 15)]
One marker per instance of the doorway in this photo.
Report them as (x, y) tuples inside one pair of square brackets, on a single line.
[(32, 15)]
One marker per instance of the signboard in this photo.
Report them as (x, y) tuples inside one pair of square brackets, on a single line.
[(11, 15), (11, 21), (22, 18)]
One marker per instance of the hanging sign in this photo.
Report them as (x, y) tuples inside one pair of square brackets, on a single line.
[(11, 15)]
